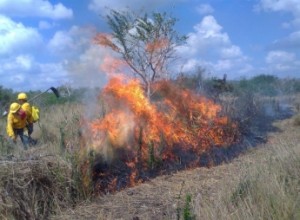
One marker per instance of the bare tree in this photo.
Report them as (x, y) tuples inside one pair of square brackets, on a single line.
[(146, 44)]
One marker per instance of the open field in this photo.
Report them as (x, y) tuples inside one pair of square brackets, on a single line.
[(263, 182)]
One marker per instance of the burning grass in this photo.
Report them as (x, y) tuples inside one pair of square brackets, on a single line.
[(261, 184), (138, 138), (128, 146)]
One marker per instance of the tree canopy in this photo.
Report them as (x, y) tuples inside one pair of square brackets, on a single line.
[(146, 43)]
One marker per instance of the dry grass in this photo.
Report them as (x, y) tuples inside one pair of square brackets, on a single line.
[(297, 120), (264, 183), (33, 189), (36, 182), (58, 128), (269, 183)]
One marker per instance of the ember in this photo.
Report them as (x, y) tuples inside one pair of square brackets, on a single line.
[(138, 138)]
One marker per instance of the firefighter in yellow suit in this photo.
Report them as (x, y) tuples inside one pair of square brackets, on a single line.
[(22, 99), (16, 122)]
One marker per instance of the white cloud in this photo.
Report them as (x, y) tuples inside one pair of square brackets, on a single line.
[(60, 42), (20, 63), (282, 63), (24, 61), (224, 65), (204, 9), (79, 63), (231, 52), (290, 6), (210, 28), (209, 47), (290, 42), (279, 61), (207, 37), (21, 68), (51, 74), (71, 43), (23, 72), (85, 71), (82, 58), (280, 5), (35, 8), (274, 57), (15, 37), (16, 72)]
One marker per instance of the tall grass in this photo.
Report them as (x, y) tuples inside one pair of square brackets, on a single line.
[(269, 187), (58, 183)]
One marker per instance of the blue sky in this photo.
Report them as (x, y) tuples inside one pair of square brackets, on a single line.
[(47, 43)]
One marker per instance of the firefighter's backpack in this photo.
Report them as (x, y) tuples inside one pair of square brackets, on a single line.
[(35, 113)]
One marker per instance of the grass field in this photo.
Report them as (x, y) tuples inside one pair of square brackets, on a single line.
[(44, 182), (263, 183)]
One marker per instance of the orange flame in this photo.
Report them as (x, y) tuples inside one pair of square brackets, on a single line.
[(137, 134), (141, 129)]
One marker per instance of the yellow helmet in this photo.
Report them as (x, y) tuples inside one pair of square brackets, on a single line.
[(22, 96), (14, 107)]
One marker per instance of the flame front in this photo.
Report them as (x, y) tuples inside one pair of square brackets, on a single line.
[(142, 135)]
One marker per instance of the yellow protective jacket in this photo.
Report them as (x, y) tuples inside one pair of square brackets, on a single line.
[(27, 108), (14, 121)]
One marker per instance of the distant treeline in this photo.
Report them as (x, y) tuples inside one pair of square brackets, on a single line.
[(67, 94), (267, 85)]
